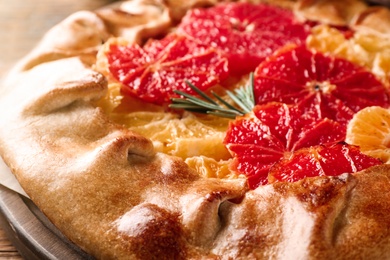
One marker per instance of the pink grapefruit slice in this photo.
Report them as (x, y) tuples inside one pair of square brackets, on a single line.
[(153, 71), (246, 33), (321, 160), (335, 86), (305, 99), (260, 139)]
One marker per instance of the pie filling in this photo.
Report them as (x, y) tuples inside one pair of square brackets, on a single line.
[(312, 87)]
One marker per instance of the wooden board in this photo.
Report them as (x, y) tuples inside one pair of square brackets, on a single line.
[(7, 250)]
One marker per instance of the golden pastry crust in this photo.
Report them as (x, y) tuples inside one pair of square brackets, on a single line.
[(107, 189), (374, 20), (330, 12)]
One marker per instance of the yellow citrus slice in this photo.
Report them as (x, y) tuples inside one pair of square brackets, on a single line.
[(112, 99), (211, 168), (184, 136), (370, 129)]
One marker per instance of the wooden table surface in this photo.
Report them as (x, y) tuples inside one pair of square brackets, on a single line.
[(22, 23), (7, 250)]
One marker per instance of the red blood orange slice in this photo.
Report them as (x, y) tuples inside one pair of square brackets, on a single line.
[(258, 140), (246, 33), (321, 160), (320, 95), (153, 71), (336, 87)]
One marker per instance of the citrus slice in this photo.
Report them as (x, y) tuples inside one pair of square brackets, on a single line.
[(370, 130), (321, 160), (210, 168), (184, 136), (260, 139), (153, 71), (296, 75), (246, 33), (364, 48)]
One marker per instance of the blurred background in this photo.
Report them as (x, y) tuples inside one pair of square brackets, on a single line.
[(23, 22)]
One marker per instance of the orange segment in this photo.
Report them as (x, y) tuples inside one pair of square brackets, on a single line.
[(211, 168), (184, 136), (370, 129), (112, 99)]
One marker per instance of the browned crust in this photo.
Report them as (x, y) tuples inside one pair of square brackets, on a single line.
[(333, 12), (107, 190)]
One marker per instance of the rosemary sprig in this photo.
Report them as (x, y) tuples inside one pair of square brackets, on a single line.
[(243, 97)]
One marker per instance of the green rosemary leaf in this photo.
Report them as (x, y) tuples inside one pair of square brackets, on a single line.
[(197, 101), (242, 97), (250, 89), (186, 106), (201, 93), (226, 103), (239, 102), (222, 114), (180, 101)]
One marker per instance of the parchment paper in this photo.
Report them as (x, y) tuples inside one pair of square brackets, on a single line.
[(8, 179)]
